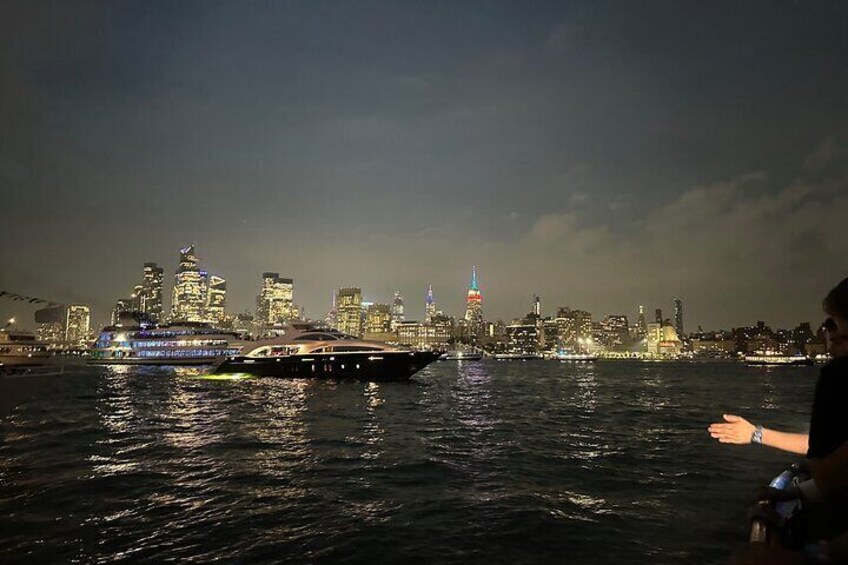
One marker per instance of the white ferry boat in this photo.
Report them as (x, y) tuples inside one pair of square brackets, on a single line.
[(22, 349), (178, 344), (575, 357), (461, 355), (516, 356), (768, 358)]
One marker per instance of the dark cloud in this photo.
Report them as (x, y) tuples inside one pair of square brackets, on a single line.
[(598, 153)]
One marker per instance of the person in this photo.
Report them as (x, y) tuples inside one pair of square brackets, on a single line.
[(825, 446), (829, 418)]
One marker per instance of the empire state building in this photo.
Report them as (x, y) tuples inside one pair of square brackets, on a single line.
[(474, 303)]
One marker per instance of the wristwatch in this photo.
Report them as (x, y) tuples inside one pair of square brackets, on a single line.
[(757, 435)]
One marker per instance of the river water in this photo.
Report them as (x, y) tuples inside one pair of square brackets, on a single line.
[(482, 462)]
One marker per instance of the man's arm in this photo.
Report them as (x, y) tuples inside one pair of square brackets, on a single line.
[(738, 430)]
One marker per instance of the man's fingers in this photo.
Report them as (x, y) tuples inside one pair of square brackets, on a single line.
[(731, 417)]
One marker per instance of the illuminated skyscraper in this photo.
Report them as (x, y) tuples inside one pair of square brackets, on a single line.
[(216, 298), (430, 306), (678, 317), (641, 323), (474, 305), (77, 324), (274, 303), (332, 315), (349, 311), (397, 310), (151, 291), (537, 306), (658, 317), (188, 302)]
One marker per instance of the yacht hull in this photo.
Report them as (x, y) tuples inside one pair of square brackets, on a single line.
[(382, 366)]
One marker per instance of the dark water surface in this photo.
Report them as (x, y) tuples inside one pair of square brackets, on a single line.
[(490, 462)]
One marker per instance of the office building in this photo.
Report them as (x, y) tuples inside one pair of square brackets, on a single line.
[(274, 303), (397, 310), (678, 317), (216, 298), (349, 311), (188, 303)]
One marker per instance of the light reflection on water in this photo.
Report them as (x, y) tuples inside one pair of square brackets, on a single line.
[(470, 462)]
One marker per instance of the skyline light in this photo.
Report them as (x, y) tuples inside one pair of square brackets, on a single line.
[(601, 155)]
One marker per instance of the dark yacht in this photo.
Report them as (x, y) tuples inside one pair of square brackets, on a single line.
[(329, 354)]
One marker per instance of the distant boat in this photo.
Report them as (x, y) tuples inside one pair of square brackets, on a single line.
[(777, 359), (177, 344), (576, 357), (22, 349), (515, 356), (461, 355)]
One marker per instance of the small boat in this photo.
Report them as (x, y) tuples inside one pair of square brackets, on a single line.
[(515, 356), (328, 354), (777, 359), (461, 355), (575, 357)]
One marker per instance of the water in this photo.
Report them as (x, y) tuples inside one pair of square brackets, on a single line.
[(491, 462)]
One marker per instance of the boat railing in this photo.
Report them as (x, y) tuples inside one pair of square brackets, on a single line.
[(775, 521)]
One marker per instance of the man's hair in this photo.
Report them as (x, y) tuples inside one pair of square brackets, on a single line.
[(836, 301)]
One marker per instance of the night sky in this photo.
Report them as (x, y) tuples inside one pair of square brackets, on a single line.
[(600, 154)]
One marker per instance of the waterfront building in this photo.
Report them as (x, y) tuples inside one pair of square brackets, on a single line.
[(216, 298), (713, 344), (349, 311), (549, 337), (274, 303), (188, 298), (662, 340), (397, 310), (522, 339), (430, 305), (49, 324), (64, 325), (425, 336), (474, 306), (678, 317), (574, 325), (378, 318), (614, 331)]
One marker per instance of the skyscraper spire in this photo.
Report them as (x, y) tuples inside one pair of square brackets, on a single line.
[(430, 306), (474, 306)]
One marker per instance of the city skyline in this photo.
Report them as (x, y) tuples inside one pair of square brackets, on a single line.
[(600, 155)]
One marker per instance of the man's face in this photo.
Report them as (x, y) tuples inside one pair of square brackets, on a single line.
[(837, 336)]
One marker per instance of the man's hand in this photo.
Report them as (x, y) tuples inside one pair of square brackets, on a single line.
[(736, 430)]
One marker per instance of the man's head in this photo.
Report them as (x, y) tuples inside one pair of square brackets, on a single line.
[(836, 307)]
